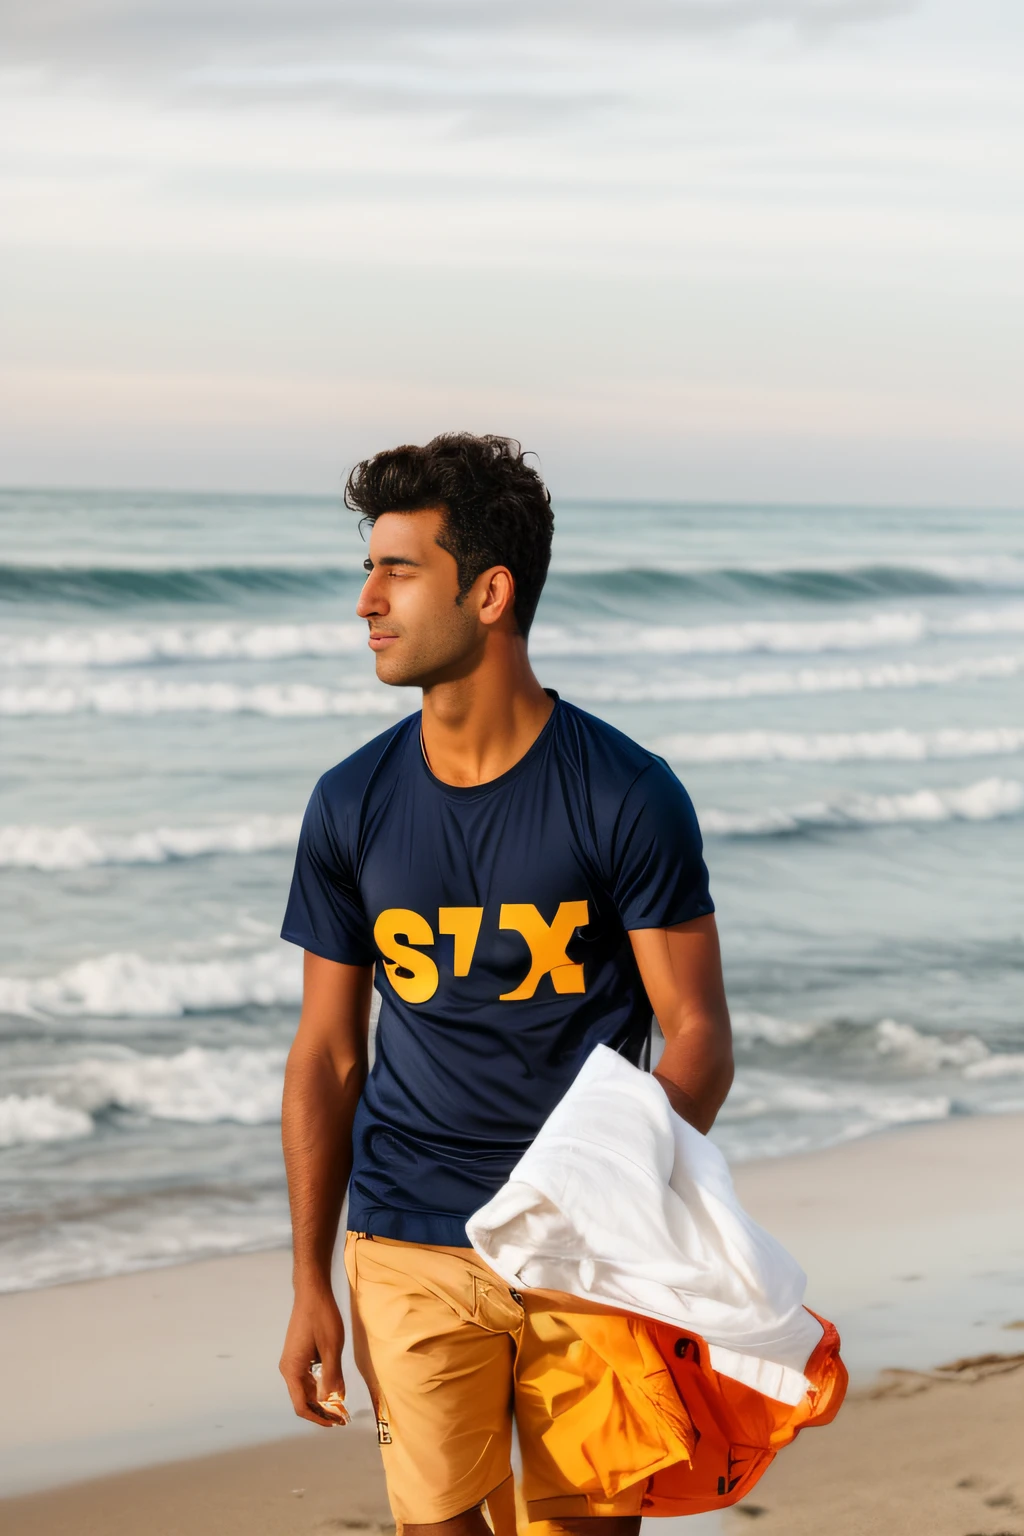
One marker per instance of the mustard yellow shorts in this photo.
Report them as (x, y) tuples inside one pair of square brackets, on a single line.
[(449, 1352)]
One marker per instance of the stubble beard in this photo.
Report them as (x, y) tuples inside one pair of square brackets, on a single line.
[(443, 655)]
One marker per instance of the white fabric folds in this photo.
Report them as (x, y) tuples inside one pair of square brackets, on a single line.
[(620, 1201)]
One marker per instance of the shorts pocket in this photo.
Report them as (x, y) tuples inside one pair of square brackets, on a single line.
[(494, 1307)]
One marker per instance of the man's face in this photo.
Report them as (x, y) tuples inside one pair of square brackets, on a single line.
[(418, 631)]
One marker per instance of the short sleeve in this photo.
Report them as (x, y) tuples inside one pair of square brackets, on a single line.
[(658, 872), (325, 914)]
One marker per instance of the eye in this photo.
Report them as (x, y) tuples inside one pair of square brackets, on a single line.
[(367, 565)]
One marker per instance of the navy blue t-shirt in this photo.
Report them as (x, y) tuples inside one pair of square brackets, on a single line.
[(497, 917)]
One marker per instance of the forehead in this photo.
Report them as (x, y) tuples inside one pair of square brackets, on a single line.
[(407, 535)]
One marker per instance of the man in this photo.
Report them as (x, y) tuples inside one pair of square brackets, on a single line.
[(521, 882)]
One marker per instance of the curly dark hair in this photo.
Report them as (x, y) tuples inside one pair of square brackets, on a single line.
[(497, 508)]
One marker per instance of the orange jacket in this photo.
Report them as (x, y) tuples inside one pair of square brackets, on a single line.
[(616, 1398)]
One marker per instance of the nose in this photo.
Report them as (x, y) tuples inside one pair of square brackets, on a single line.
[(371, 602)]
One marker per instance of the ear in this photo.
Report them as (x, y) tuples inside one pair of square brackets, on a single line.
[(497, 596)]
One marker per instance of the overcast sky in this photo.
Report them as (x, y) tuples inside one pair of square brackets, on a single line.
[(753, 249)]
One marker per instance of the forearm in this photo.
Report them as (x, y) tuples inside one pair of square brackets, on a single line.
[(696, 1069), (319, 1105)]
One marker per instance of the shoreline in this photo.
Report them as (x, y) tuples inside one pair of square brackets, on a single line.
[(926, 1458), (913, 1241)]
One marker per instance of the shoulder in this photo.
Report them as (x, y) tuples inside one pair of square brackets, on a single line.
[(632, 797), (607, 755), (643, 825), (344, 786)]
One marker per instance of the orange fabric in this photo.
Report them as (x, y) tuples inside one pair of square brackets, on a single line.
[(608, 1401), (616, 1414)]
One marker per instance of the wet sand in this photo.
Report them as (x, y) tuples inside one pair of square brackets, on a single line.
[(914, 1243), (914, 1456)]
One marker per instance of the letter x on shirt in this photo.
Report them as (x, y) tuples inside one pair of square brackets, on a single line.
[(497, 917)]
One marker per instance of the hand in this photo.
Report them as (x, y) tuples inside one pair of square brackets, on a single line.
[(315, 1333)]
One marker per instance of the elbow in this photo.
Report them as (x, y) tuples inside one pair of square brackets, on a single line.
[(724, 1070), (334, 1073), (726, 1075)]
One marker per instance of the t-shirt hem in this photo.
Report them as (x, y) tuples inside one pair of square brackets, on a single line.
[(411, 1227), (703, 908), (325, 951)]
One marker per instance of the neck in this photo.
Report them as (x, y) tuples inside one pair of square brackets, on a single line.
[(477, 727)]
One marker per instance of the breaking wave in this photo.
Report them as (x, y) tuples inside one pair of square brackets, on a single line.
[(764, 1027), (1007, 1064), (896, 745), (128, 985), (151, 696), (745, 637), (177, 642), (55, 849), (197, 1085), (146, 696), (767, 1114), (767, 636), (240, 1084), (928, 1053), (124, 646), (750, 685), (987, 800), (69, 848), (913, 1051), (39, 1117)]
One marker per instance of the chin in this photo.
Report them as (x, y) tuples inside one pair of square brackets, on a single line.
[(391, 671)]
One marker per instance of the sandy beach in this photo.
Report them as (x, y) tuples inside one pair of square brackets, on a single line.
[(151, 1401)]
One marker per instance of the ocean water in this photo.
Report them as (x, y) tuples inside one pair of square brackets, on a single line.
[(841, 690)]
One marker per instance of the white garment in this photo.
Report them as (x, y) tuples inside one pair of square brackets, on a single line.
[(620, 1201)]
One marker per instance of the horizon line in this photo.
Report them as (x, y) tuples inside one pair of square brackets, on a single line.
[(655, 503)]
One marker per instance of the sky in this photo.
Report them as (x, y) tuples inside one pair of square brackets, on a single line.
[(761, 250)]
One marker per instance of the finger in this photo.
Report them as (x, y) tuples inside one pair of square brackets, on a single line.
[(303, 1393), (331, 1401), (334, 1406), (332, 1381)]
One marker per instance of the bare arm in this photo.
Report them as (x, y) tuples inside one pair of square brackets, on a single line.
[(323, 1080), (681, 969)]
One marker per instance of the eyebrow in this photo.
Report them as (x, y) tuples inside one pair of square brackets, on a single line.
[(368, 564)]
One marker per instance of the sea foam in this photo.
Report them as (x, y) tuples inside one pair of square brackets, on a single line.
[(197, 1085), (987, 800), (1005, 1064), (769, 635), (115, 647), (765, 1028), (148, 696), (56, 849), (123, 984), (897, 745), (140, 645), (144, 696), (78, 847), (804, 680), (39, 1117), (928, 1053), (862, 1106)]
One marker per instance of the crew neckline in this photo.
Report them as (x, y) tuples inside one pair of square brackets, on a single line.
[(471, 791)]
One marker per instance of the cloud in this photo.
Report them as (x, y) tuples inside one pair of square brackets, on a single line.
[(474, 67), (126, 40), (472, 100)]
